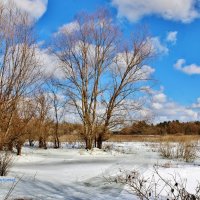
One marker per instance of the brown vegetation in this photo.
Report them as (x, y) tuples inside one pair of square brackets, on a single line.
[(163, 128), (19, 73)]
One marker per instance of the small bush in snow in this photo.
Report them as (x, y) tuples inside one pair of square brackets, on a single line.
[(108, 147), (166, 150), (189, 151), (6, 161), (186, 151)]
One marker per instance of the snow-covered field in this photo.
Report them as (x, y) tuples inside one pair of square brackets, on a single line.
[(77, 174)]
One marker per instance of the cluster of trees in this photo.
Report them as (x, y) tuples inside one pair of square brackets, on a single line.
[(26, 109), (103, 80), (19, 74), (102, 74), (163, 128)]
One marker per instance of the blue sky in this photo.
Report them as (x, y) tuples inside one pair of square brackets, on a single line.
[(175, 30)]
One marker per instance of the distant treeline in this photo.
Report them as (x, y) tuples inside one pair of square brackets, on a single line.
[(163, 128)]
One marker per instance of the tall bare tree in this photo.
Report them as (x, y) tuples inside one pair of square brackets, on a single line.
[(57, 104), (19, 65), (103, 73)]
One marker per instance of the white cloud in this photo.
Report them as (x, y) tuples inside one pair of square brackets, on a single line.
[(172, 37), (176, 10), (69, 28), (157, 46), (119, 66), (147, 71), (157, 106), (49, 63), (197, 104), (161, 108), (165, 109), (187, 69), (159, 98), (35, 8)]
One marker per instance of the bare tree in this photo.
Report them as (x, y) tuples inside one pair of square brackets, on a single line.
[(42, 120), (19, 65), (57, 102), (102, 72), (26, 112)]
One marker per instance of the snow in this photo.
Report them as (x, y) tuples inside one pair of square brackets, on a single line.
[(71, 173)]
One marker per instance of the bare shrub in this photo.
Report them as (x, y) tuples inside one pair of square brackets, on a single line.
[(108, 147), (117, 149), (6, 160), (190, 151), (186, 151), (166, 150), (155, 187), (165, 165)]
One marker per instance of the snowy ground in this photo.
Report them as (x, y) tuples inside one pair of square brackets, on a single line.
[(75, 174)]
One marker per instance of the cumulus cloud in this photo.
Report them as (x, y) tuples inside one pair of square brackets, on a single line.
[(176, 10), (172, 37), (165, 109), (196, 105), (35, 8), (49, 62), (158, 46), (147, 71), (187, 69), (119, 66), (159, 98), (68, 28), (161, 108)]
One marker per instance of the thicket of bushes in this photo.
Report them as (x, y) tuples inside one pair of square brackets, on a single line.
[(186, 151)]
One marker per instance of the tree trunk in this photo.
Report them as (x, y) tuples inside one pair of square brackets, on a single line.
[(56, 143), (99, 142), (41, 144), (31, 143), (44, 144), (1, 146), (10, 146), (95, 142), (19, 149), (88, 143)]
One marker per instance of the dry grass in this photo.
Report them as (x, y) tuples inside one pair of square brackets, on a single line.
[(154, 138), (138, 138), (71, 138)]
